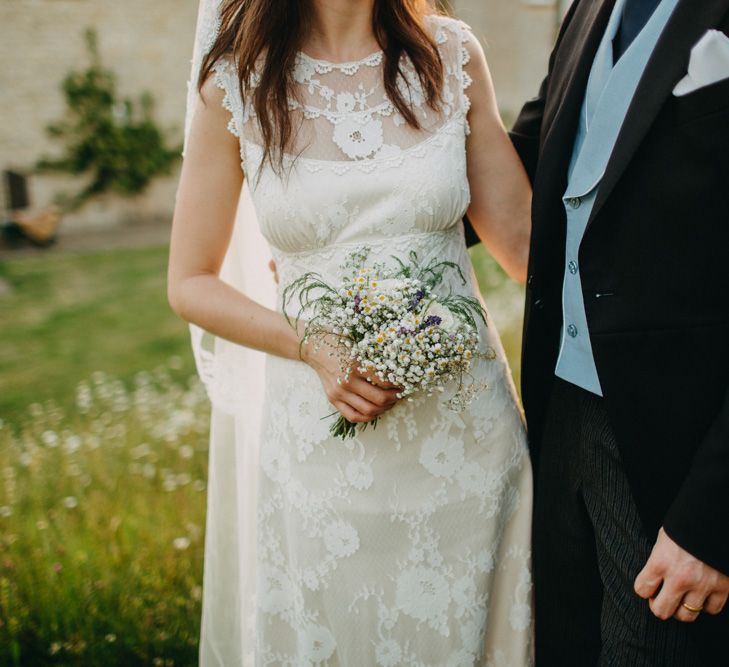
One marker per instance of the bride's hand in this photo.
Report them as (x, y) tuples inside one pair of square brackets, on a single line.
[(357, 399)]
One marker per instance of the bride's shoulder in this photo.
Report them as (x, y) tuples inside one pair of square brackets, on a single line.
[(446, 29), (454, 37), (457, 44)]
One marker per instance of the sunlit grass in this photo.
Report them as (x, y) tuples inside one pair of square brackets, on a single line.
[(69, 314), (101, 524)]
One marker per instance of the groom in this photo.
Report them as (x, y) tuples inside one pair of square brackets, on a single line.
[(626, 338)]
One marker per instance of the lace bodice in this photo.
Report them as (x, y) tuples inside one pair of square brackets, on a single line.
[(357, 172)]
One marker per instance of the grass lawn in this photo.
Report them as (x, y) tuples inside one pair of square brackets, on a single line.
[(72, 314), (103, 459)]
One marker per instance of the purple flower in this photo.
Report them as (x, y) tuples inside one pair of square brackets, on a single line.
[(431, 321), (357, 302), (415, 301)]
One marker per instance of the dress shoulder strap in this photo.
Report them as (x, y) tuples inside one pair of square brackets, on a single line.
[(226, 78), (452, 36)]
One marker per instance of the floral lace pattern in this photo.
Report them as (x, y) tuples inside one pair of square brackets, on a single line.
[(409, 544)]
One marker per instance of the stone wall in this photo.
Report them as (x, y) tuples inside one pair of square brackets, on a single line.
[(518, 36), (148, 45)]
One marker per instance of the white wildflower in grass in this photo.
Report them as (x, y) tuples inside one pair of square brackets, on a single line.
[(72, 443), (183, 479), (6, 511), (84, 398), (140, 451), (181, 543), (398, 326), (70, 502), (93, 442), (169, 484), (49, 438), (73, 469)]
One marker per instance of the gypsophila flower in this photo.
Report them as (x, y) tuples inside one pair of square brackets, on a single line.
[(394, 325)]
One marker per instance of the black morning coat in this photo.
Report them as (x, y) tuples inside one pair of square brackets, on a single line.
[(654, 265)]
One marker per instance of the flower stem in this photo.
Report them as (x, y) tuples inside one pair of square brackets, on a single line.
[(345, 429)]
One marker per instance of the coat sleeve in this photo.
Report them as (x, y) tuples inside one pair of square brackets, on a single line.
[(698, 519), (526, 133)]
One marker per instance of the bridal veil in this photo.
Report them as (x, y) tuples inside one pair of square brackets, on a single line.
[(233, 378)]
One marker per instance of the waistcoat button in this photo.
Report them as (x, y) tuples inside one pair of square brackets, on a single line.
[(574, 202)]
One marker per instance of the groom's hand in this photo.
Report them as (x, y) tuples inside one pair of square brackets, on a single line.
[(673, 578)]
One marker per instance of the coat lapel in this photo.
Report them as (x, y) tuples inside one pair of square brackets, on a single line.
[(561, 121), (668, 64), (568, 82)]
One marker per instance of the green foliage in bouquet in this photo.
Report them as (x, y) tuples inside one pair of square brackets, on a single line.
[(116, 140)]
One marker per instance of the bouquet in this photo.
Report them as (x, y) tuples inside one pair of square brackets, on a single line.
[(391, 325)]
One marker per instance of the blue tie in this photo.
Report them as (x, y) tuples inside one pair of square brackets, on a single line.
[(635, 15)]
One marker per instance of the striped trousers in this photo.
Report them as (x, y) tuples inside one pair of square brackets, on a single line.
[(589, 545)]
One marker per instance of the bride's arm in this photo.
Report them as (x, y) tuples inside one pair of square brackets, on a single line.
[(500, 210), (205, 211)]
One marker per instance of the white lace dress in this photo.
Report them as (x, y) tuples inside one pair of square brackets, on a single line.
[(409, 544)]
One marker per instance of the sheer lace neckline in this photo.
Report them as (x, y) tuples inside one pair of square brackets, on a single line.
[(370, 60), (344, 114)]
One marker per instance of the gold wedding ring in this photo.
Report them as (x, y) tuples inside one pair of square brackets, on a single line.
[(693, 610)]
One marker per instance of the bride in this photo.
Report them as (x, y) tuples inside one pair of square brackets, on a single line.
[(354, 123)]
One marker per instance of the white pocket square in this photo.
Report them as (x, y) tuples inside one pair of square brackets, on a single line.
[(709, 63)]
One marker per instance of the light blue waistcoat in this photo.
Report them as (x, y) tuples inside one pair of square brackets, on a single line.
[(610, 90)]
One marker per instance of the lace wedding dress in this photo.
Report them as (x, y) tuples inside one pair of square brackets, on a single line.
[(409, 544)]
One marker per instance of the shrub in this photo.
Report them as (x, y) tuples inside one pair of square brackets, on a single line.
[(116, 140)]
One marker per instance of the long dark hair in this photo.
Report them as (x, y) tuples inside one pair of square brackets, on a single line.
[(272, 31)]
